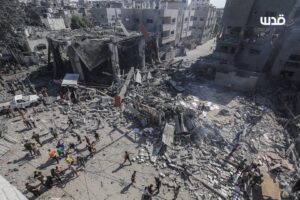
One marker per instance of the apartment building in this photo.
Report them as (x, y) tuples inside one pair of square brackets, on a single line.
[(161, 22), (245, 42), (170, 25), (219, 16), (204, 22), (197, 4), (286, 57), (105, 16)]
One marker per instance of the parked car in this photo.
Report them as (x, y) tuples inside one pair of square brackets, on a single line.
[(20, 101)]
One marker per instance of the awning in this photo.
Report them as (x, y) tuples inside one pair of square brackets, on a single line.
[(70, 80)]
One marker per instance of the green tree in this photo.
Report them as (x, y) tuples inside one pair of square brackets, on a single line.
[(78, 22), (11, 24)]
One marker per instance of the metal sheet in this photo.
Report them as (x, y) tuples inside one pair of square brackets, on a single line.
[(70, 80)]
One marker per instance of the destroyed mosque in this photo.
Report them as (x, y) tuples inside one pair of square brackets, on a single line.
[(149, 99)]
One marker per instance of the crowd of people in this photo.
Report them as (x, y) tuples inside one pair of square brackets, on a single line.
[(67, 153)]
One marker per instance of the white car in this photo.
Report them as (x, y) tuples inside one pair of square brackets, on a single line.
[(20, 101)]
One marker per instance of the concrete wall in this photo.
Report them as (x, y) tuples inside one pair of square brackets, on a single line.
[(285, 64), (249, 44), (174, 5), (113, 15), (105, 16), (204, 23), (208, 31), (256, 49), (174, 28), (160, 21), (32, 43), (187, 23), (150, 18), (54, 23), (236, 12), (9, 192)]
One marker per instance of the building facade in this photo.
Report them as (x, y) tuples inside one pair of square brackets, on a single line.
[(105, 16), (286, 59), (219, 16), (170, 25), (204, 23), (245, 42)]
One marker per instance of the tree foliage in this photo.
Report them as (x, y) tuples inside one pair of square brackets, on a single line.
[(11, 23), (78, 22)]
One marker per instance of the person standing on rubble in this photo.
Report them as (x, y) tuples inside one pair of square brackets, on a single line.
[(31, 121), (176, 192), (60, 152), (81, 161), (60, 144), (73, 169), (28, 147), (59, 170), (242, 165), (158, 184), (234, 149), (36, 137), (22, 114), (256, 179), (32, 189), (126, 157), (70, 122), (44, 92), (61, 95), (150, 190), (72, 146), (53, 132), (69, 159), (27, 123), (296, 187), (146, 194), (133, 177), (49, 182), (88, 142), (78, 138), (55, 175), (60, 148), (39, 176), (97, 137), (52, 155), (92, 149), (36, 150)]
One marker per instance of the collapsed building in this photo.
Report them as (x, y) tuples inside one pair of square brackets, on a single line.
[(99, 57)]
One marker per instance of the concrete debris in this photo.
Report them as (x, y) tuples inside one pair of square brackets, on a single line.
[(168, 135), (201, 140)]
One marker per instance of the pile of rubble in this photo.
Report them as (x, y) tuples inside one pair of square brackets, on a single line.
[(193, 140), (194, 135)]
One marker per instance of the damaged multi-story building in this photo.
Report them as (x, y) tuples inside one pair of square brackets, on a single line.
[(170, 23), (246, 49), (286, 56), (99, 57), (204, 21)]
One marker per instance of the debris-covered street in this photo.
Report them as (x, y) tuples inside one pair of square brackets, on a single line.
[(195, 136), (152, 99)]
